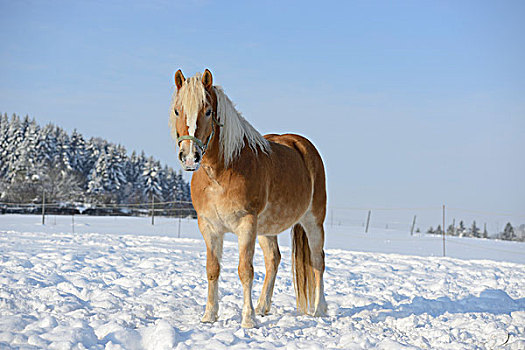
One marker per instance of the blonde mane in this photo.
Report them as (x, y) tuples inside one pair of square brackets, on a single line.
[(236, 129), (192, 96)]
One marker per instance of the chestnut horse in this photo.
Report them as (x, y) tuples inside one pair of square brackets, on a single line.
[(255, 187)]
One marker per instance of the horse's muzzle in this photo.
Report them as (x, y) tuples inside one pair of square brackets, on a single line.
[(190, 162), (191, 168)]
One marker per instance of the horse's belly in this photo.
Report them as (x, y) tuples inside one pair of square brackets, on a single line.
[(276, 219)]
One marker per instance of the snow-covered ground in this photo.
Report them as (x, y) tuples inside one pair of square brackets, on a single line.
[(120, 283)]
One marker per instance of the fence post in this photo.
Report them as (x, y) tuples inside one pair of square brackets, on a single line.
[(43, 207), (413, 224), (368, 221), (443, 230), (180, 214), (152, 209)]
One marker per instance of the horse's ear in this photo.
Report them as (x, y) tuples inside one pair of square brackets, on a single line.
[(179, 79), (207, 79)]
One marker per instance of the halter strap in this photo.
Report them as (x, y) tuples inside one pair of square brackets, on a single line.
[(199, 143), (191, 138)]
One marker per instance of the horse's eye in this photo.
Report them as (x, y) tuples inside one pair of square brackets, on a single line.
[(176, 112), (208, 112)]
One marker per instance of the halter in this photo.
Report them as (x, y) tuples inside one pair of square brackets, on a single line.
[(203, 147)]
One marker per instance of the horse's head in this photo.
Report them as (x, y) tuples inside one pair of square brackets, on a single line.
[(193, 117)]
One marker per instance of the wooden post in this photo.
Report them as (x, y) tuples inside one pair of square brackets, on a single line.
[(152, 209), (368, 221), (180, 214), (413, 224), (43, 207), (443, 230)]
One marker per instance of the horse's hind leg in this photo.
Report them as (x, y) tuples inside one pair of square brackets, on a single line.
[(315, 233), (272, 258)]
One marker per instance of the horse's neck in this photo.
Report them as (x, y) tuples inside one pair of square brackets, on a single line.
[(213, 160)]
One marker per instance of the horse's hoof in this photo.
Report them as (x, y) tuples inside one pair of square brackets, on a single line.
[(208, 318), (262, 310), (248, 323), (320, 312)]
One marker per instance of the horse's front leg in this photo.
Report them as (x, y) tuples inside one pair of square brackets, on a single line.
[(246, 233), (213, 268)]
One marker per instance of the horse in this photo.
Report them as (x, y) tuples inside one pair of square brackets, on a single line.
[(255, 187)]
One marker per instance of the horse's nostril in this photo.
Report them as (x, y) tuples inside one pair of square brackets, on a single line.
[(181, 157), (197, 157)]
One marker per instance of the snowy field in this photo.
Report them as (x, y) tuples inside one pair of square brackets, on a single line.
[(120, 283)]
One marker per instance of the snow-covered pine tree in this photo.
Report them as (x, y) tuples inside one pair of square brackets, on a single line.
[(508, 233), (91, 154), (96, 177), (64, 152), (169, 185), (474, 230), (485, 234), (14, 139), (4, 132), (133, 168), (23, 167), (115, 169), (78, 151), (461, 229), (151, 180), (106, 177)]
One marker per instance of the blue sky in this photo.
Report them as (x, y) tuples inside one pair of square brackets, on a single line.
[(411, 103)]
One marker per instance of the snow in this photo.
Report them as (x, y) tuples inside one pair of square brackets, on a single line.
[(120, 283)]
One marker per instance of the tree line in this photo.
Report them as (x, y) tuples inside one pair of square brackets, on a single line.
[(509, 233), (38, 161)]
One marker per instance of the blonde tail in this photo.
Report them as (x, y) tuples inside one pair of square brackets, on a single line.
[(303, 274)]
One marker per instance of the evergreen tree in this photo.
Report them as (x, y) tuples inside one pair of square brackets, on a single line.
[(508, 233), (485, 234), (91, 154), (14, 138), (98, 177), (151, 180), (169, 185), (46, 146), (461, 229), (78, 151), (474, 230), (4, 132)]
